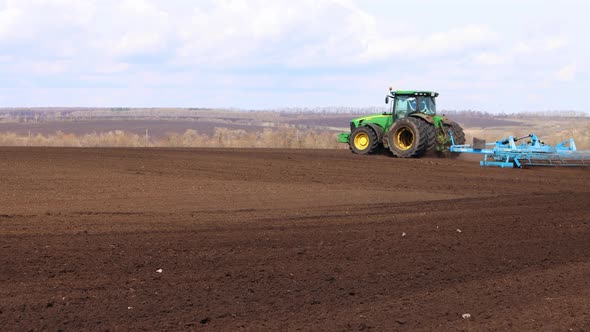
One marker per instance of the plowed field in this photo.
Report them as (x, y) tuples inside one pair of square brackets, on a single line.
[(203, 239)]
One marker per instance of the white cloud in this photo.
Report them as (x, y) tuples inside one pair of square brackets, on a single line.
[(33, 19), (522, 52), (566, 73), (47, 67), (555, 43), (439, 43), (297, 33), (9, 18), (319, 45), (135, 27), (309, 33), (492, 59), (225, 32), (112, 68)]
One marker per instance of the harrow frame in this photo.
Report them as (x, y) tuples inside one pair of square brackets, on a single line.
[(506, 153)]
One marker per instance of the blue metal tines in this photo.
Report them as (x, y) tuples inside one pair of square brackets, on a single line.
[(533, 152)]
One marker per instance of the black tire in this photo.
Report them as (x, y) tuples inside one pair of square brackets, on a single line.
[(410, 138), (431, 136), (458, 134), (363, 140)]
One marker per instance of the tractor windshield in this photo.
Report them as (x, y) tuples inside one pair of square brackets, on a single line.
[(427, 106), (404, 105)]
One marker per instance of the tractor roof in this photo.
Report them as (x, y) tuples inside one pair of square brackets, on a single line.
[(414, 93)]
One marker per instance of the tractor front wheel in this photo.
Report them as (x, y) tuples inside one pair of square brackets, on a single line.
[(363, 140), (409, 138)]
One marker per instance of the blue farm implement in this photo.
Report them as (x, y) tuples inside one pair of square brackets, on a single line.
[(533, 152)]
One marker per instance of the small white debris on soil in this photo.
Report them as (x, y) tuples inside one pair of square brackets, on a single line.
[(459, 231), (159, 271), (129, 308), (403, 234), (466, 316)]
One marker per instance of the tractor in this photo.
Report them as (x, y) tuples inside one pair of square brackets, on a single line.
[(410, 129)]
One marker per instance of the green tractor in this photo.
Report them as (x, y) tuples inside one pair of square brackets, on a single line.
[(410, 128)]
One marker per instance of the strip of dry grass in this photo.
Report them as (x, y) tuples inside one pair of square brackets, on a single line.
[(552, 132), (222, 137)]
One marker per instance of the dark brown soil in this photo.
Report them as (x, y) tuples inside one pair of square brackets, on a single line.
[(288, 240)]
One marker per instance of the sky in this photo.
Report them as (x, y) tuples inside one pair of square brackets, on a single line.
[(493, 56)]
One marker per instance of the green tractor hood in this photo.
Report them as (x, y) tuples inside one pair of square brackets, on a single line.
[(382, 120)]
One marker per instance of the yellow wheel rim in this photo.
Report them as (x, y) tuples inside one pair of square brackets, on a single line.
[(361, 141), (404, 138)]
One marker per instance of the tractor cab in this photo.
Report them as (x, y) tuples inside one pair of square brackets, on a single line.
[(404, 103)]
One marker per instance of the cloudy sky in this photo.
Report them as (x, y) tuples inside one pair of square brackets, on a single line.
[(497, 56)]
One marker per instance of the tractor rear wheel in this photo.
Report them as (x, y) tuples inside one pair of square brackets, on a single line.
[(410, 138), (363, 140), (458, 134), (431, 136)]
